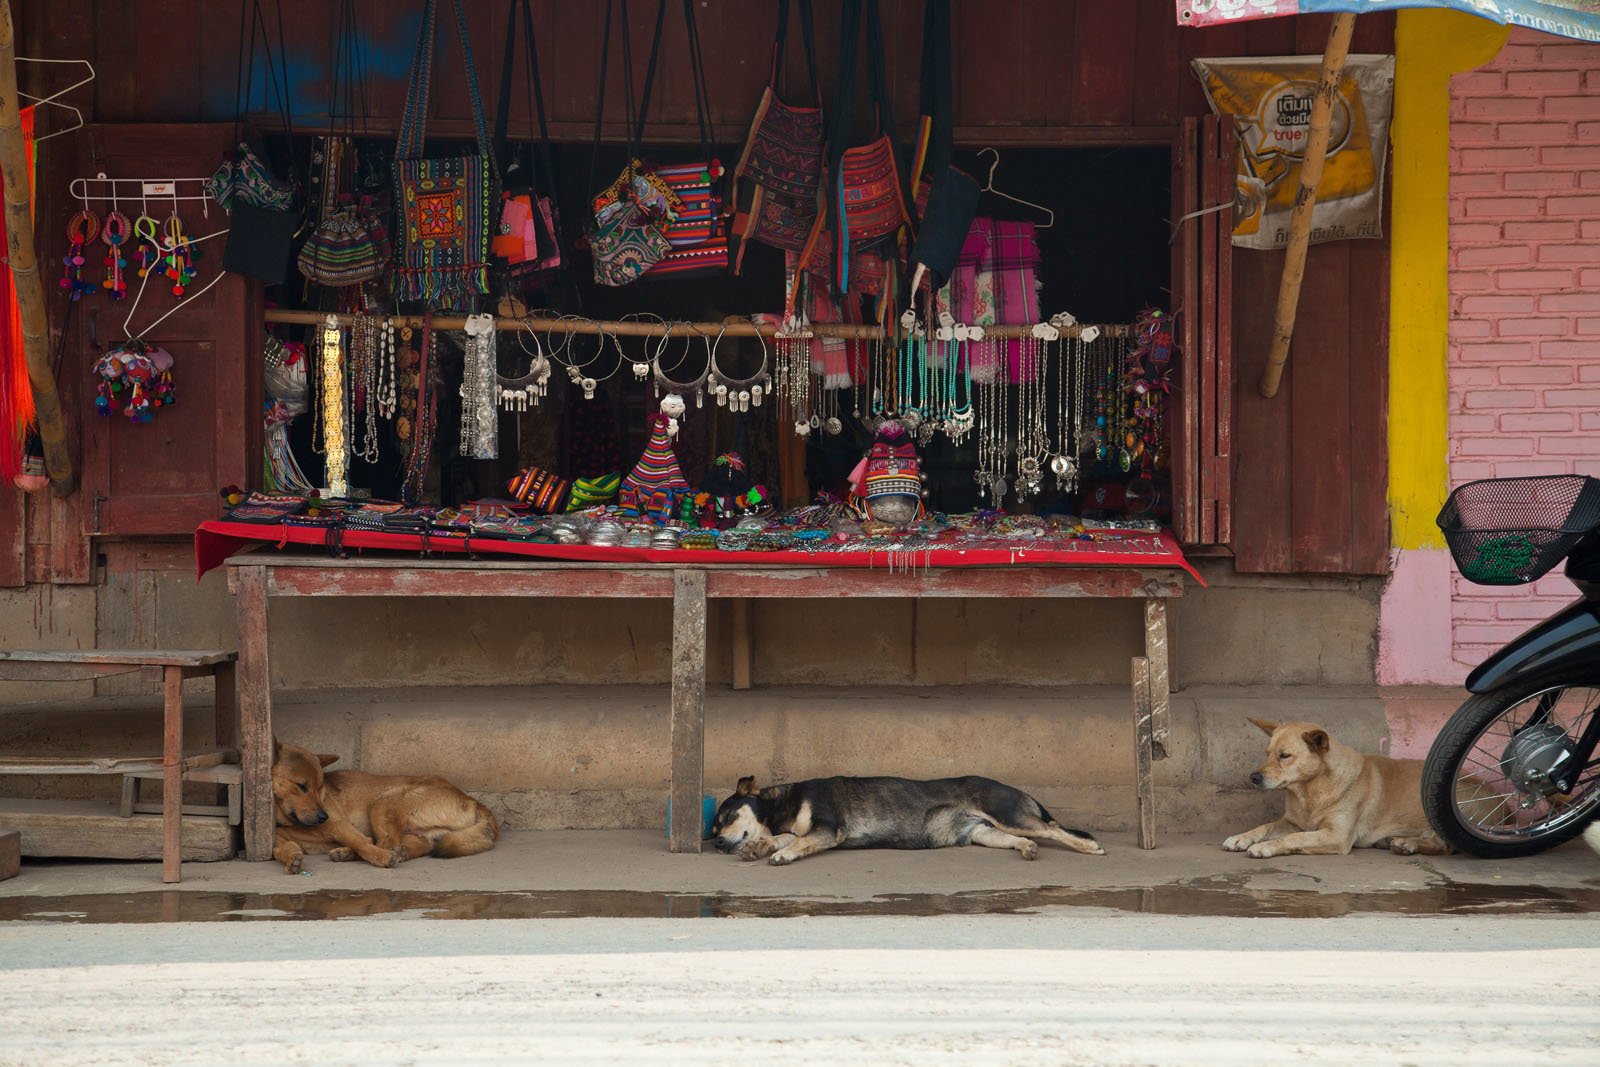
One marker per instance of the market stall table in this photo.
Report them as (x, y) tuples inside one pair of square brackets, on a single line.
[(256, 576)]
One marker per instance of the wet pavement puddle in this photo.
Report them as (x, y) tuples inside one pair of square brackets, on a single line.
[(1216, 897)]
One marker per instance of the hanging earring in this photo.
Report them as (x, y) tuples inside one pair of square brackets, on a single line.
[(180, 257)]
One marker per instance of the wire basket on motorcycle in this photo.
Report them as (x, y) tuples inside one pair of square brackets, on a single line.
[(1511, 531)]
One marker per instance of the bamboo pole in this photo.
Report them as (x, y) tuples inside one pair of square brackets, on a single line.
[(1294, 264), (637, 328), (25, 268)]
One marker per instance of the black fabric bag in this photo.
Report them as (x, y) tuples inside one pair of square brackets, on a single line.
[(952, 201), (260, 239)]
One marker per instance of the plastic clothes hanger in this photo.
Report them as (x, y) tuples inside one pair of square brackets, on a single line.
[(54, 99)]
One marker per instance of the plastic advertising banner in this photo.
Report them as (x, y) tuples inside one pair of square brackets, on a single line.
[(1579, 19), (1269, 99)]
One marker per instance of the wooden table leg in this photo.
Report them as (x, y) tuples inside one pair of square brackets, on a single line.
[(255, 712), (743, 644), (1144, 783), (1155, 650), (172, 775), (687, 783)]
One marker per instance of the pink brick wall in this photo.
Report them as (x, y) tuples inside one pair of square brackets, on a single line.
[(1524, 293)]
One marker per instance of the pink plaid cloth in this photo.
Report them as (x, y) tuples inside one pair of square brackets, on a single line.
[(995, 282)]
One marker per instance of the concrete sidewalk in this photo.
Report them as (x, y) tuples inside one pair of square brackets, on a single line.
[(629, 872)]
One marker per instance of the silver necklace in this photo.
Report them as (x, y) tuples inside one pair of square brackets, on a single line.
[(480, 419)]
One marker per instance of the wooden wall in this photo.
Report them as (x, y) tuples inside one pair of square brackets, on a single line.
[(1310, 468)]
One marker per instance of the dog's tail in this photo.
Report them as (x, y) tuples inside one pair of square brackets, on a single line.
[(1591, 836), (1050, 820), (479, 837)]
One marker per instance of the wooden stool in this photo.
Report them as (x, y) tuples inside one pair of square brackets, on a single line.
[(228, 775), (68, 666)]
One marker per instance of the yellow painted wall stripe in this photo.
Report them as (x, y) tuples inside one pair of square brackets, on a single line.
[(1430, 46)]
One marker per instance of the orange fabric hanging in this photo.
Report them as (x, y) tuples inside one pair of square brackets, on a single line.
[(17, 414)]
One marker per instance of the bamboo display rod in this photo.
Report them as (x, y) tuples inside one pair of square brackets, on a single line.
[(1294, 264), (25, 269), (634, 328)]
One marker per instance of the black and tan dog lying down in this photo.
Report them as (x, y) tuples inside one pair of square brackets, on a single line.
[(790, 822)]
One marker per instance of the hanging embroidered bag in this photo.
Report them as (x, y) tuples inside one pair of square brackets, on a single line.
[(779, 175), (624, 234), (866, 200), (529, 237), (697, 231), (342, 251), (444, 205)]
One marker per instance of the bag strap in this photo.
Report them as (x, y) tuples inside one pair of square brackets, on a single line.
[(414, 120), (781, 43), (277, 75), (649, 78), (504, 153)]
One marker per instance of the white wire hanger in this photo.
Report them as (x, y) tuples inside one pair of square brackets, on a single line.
[(109, 189), (54, 99), (988, 187)]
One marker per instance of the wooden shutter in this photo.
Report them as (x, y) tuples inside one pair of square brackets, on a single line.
[(1202, 287), (162, 477)]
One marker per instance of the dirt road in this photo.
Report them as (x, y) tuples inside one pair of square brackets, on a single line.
[(1066, 987)]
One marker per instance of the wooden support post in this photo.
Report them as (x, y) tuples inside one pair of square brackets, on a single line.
[(255, 711), (1144, 783), (1155, 650), (687, 783), (225, 719), (1294, 263), (172, 775), (25, 268), (743, 644)]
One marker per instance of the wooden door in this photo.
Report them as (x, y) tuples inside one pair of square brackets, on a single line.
[(1202, 273), (162, 477)]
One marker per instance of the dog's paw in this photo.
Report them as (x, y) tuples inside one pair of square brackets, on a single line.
[(1236, 843), (296, 865), (1029, 850), (780, 859), (1262, 850), (756, 850), (1098, 850), (341, 854), (400, 854), (1403, 846)]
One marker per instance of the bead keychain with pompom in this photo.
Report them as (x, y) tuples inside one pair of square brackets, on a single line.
[(81, 229), (115, 234), (179, 255)]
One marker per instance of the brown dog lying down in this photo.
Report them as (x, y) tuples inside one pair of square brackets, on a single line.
[(384, 819), (1338, 799)]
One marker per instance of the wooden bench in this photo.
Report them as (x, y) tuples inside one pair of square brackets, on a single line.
[(257, 577), (173, 765)]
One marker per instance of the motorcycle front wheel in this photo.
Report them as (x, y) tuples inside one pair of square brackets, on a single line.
[(1488, 783)]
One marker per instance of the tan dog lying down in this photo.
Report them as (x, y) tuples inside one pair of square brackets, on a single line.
[(1338, 799), (384, 819)]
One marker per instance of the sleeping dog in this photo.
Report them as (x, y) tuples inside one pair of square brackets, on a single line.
[(790, 822)]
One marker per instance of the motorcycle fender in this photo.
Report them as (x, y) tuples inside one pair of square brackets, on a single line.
[(1568, 639)]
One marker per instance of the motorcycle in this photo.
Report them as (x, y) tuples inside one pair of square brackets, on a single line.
[(1513, 772)]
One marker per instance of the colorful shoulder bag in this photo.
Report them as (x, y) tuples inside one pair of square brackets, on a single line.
[(697, 232), (779, 176), (444, 205), (624, 234), (529, 236), (866, 200)]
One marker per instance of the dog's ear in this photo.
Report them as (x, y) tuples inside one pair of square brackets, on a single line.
[(1268, 728), (1316, 740), (277, 748), (327, 758), (747, 786)]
